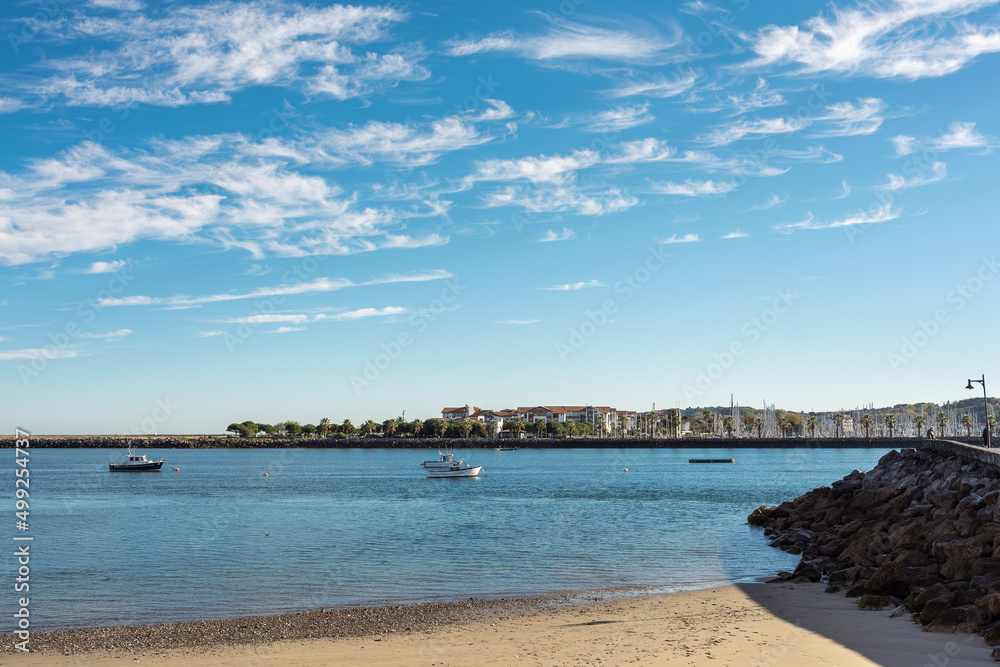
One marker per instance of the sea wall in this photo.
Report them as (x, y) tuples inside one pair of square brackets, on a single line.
[(215, 441), (920, 531)]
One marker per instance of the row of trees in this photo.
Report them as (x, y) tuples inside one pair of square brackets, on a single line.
[(647, 424)]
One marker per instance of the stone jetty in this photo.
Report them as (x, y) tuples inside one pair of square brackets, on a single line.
[(919, 532)]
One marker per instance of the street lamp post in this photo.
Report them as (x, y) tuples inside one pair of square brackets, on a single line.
[(986, 407)]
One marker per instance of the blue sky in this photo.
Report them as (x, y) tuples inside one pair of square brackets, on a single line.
[(219, 211)]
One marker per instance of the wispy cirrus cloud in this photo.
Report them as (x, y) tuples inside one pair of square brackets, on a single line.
[(774, 201), (28, 354), (621, 118), (561, 198), (106, 267), (846, 119), (737, 234), (572, 287), (904, 144), (906, 39), (686, 238), (565, 235), (961, 135), (574, 40), (287, 289), (516, 322), (877, 214), (693, 188), (730, 132), (202, 54), (658, 87), (958, 135), (108, 336), (936, 172), (260, 195)]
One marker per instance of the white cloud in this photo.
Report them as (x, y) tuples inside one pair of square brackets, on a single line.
[(499, 41), (621, 118), (759, 98), (936, 172), (960, 135), (260, 196), (518, 322), (10, 105), (541, 169), (874, 215), (120, 5), (774, 201), (287, 289), (106, 267), (39, 353), (197, 54), (572, 287), (738, 234), (659, 87), (730, 132), (208, 334), (687, 238), (362, 313), (109, 336), (904, 144), (692, 188), (286, 330), (894, 39), (849, 120), (557, 199), (565, 235), (567, 39)]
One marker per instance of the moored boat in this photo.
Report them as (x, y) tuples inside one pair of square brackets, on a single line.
[(457, 469), (135, 463), (444, 462)]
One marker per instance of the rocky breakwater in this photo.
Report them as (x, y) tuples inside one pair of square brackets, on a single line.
[(921, 531)]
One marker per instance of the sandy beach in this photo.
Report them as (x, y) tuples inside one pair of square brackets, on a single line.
[(750, 624)]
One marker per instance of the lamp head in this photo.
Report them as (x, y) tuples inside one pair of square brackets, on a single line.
[(969, 386)]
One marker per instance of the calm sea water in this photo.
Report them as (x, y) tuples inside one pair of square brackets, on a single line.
[(365, 527)]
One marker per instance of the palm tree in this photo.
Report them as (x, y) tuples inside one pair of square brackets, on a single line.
[(675, 422), (465, 427), (727, 424), (369, 427), (838, 422), (942, 421), (920, 421), (890, 423), (758, 424), (324, 427), (347, 428), (623, 425), (811, 424), (784, 425), (389, 427), (966, 421), (866, 423)]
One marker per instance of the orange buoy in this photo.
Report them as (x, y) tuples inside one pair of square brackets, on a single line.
[(626, 469), (265, 474), (177, 469)]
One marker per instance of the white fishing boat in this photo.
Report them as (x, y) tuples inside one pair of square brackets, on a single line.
[(135, 463), (444, 462), (457, 469)]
